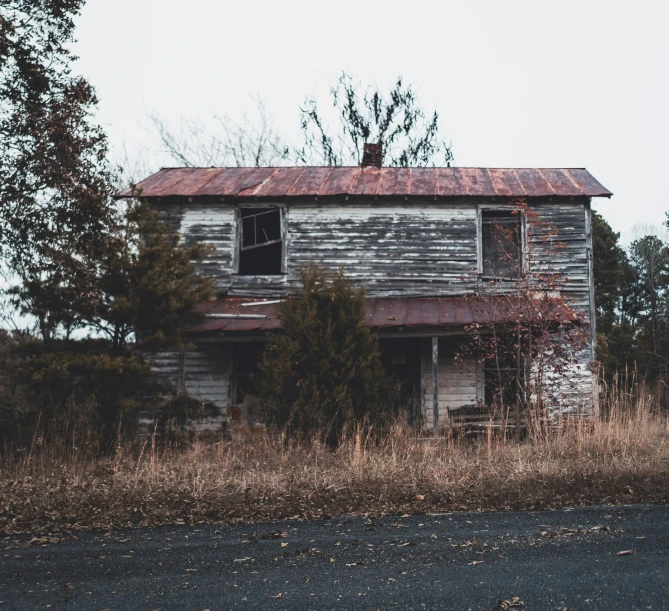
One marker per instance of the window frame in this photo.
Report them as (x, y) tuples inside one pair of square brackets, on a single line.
[(479, 238), (239, 236)]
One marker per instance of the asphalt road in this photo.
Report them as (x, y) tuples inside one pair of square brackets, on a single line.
[(552, 560)]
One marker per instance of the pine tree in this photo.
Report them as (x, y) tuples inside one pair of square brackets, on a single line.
[(323, 372)]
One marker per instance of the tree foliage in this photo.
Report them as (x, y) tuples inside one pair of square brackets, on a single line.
[(631, 294), (365, 114), (55, 207), (323, 372), (146, 291), (650, 258)]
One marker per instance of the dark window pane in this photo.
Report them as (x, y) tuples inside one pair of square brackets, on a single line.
[(261, 261), (500, 240), (248, 232)]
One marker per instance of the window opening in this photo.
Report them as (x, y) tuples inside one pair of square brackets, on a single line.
[(501, 244), (503, 372), (261, 242)]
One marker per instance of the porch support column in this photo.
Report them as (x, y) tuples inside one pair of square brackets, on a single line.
[(435, 384)]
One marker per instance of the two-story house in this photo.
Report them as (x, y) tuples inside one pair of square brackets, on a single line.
[(419, 239)]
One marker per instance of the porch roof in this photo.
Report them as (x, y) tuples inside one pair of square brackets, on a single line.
[(241, 314)]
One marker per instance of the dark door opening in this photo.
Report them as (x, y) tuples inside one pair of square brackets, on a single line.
[(401, 360)]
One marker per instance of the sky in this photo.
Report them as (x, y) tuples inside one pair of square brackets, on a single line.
[(516, 84)]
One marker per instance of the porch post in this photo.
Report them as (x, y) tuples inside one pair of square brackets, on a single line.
[(435, 384)]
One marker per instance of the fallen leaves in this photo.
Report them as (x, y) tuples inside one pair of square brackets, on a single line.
[(505, 605), (274, 534), (571, 532)]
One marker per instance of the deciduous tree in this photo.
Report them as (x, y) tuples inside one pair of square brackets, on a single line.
[(409, 136), (55, 206)]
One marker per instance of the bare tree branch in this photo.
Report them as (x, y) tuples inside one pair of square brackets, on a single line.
[(251, 141), (396, 120)]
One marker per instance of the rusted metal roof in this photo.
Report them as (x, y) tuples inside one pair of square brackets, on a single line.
[(296, 182), (240, 314)]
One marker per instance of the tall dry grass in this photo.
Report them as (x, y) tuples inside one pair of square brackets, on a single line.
[(621, 456)]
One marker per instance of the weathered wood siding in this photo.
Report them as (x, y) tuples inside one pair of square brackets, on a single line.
[(408, 250), (459, 387), (206, 373), (402, 249), (566, 252), (211, 223), (573, 392)]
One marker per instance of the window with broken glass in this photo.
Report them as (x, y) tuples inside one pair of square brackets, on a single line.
[(501, 244), (261, 242)]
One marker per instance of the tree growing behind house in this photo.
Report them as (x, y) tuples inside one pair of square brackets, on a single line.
[(632, 298), (409, 135), (323, 372), (333, 132), (614, 278)]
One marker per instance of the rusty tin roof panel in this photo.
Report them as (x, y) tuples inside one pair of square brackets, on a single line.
[(241, 314), (223, 182), (384, 182)]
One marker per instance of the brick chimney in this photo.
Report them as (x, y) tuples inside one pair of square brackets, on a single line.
[(372, 156)]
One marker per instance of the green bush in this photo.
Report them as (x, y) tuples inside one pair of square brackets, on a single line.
[(323, 371)]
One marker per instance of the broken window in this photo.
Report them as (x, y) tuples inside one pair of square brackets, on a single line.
[(501, 243), (261, 242)]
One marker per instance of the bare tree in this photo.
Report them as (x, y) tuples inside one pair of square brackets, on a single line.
[(410, 137), (251, 141), (365, 114)]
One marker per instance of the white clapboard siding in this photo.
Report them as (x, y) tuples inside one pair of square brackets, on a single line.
[(459, 386), (572, 392), (206, 373), (393, 249)]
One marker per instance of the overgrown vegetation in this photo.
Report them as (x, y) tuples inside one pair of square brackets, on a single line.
[(622, 456), (527, 340), (145, 291), (323, 372)]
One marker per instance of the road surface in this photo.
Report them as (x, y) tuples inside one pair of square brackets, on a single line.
[(588, 558)]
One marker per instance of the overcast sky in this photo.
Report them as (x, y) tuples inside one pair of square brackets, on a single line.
[(517, 84)]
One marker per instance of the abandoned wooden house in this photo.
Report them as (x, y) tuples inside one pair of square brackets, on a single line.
[(419, 239)]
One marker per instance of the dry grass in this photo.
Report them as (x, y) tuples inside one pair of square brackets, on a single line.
[(622, 457)]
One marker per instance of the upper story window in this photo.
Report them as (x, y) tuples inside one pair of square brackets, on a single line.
[(501, 244), (261, 242)]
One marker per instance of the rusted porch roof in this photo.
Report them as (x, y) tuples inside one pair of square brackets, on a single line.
[(434, 183), (240, 314)]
